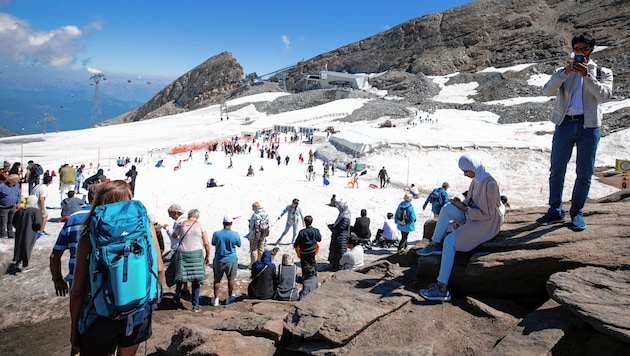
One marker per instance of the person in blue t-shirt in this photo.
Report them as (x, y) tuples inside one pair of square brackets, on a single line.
[(225, 259)]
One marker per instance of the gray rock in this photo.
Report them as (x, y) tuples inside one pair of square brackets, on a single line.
[(599, 296), (536, 334), (342, 307), (518, 262)]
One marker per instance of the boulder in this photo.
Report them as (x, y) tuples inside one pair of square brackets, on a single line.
[(537, 334), (599, 296), (519, 260), (342, 307)]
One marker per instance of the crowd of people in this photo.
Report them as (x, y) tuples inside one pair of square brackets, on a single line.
[(461, 224)]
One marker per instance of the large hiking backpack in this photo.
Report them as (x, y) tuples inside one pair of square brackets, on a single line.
[(436, 198), (262, 227), (402, 218), (123, 265)]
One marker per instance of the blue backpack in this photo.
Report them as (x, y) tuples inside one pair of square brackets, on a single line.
[(123, 265), (436, 198)]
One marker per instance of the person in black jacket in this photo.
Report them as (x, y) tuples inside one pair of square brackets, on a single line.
[(362, 229), (263, 284), (97, 178), (339, 237), (306, 241), (131, 178)]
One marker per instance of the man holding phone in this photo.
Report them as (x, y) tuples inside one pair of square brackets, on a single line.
[(579, 88)]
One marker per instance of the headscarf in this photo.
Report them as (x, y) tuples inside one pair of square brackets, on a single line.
[(31, 201), (467, 163), (344, 212)]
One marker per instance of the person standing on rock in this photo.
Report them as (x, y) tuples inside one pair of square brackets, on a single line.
[(225, 260), (479, 218), (579, 88)]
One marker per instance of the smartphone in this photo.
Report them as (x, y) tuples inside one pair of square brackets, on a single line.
[(578, 58)]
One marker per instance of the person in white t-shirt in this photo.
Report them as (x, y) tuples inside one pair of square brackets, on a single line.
[(352, 259)]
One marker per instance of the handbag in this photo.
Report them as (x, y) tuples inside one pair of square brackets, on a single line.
[(171, 269)]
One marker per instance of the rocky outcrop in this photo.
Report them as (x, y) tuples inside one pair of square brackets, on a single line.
[(598, 296), (211, 82), (519, 261)]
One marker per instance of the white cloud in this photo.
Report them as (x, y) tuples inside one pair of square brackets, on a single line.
[(286, 41), (20, 43), (93, 70)]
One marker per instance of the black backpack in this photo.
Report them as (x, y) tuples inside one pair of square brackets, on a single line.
[(403, 216), (37, 170)]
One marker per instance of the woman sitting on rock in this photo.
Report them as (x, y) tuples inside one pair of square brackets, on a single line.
[(479, 218)]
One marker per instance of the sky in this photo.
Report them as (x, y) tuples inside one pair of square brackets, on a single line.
[(165, 39), (416, 151)]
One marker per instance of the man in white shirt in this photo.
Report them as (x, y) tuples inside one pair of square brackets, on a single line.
[(352, 259)]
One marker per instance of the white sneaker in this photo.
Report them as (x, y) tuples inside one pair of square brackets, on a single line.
[(214, 302), (230, 299)]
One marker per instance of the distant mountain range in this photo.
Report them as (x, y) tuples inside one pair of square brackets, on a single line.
[(36, 99)]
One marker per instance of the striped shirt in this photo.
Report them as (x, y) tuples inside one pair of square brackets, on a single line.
[(69, 237)]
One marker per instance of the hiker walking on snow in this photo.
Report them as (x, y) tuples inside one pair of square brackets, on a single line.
[(438, 198)]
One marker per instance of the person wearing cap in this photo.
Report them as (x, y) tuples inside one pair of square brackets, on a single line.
[(293, 211), (257, 233), (175, 212), (225, 260), (438, 198), (579, 87)]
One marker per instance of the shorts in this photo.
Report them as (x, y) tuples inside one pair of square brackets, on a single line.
[(229, 268), (106, 334)]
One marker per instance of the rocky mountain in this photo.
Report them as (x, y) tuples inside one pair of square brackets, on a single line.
[(464, 39)]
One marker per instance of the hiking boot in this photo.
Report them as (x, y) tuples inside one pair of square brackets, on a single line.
[(230, 299), (429, 250), (550, 218), (214, 302), (577, 222), (196, 309), (434, 293)]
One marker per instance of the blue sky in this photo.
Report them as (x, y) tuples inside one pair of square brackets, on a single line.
[(165, 39)]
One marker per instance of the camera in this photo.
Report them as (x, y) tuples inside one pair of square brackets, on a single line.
[(579, 58)]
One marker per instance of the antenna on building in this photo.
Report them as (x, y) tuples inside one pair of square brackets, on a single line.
[(97, 114)]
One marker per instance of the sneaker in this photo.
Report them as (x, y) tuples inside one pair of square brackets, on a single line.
[(230, 299), (39, 235), (578, 222), (196, 309), (429, 250), (434, 293), (28, 269), (214, 302), (550, 218)]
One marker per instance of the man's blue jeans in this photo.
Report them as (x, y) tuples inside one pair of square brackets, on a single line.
[(568, 134)]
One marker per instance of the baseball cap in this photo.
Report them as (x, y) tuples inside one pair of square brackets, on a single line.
[(176, 208), (227, 219)]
